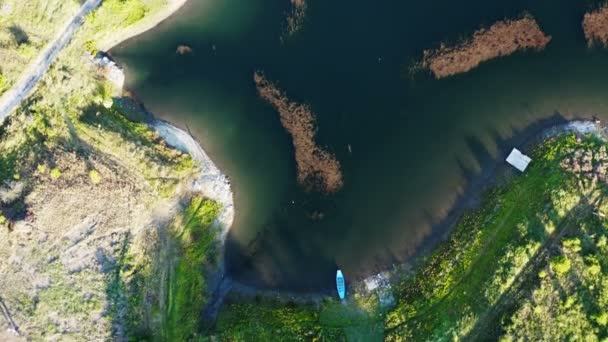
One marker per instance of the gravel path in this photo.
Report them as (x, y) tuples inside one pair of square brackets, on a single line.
[(14, 96)]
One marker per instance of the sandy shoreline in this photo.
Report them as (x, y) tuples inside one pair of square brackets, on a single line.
[(147, 24)]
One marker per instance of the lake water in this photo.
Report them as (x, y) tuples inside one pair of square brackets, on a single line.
[(414, 140)]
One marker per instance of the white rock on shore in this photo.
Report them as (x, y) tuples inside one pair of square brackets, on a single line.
[(211, 182)]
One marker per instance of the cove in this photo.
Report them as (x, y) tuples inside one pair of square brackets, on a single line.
[(416, 143)]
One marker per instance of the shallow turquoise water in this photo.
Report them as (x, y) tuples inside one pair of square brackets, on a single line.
[(414, 139)]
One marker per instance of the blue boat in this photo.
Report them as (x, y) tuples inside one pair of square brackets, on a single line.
[(340, 284)]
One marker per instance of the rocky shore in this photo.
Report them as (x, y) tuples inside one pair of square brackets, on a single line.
[(211, 182)]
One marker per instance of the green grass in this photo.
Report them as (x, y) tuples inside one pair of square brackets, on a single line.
[(483, 282), (468, 273), (5, 83), (116, 15), (25, 28), (137, 144), (161, 290), (188, 291), (271, 320)]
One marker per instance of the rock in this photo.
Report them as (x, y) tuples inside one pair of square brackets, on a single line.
[(183, 49), (11, 192), (42, 283)]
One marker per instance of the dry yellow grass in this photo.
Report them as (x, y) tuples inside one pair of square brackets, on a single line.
[(25, 28), (501, 39), (317, 169)]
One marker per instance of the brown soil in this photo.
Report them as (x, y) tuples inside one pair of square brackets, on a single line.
[(501, 39), (595, 26), (69, 239), (317, 168)]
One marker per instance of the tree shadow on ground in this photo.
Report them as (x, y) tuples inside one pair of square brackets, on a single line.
[(19, 34)]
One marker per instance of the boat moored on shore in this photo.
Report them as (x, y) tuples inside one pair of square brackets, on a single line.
[(340, 284)]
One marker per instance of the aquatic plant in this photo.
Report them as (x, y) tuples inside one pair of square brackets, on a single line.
[(295, 19), (317, 168), (595, 26), (501, 39)]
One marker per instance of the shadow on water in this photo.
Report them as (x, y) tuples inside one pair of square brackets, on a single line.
[(261, 262), (492, 171), (486, 327), (412, 142), (487, 169)]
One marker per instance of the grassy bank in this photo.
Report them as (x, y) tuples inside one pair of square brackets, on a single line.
[(85, 194), (197, 249), (530, 262), (481, 270), (163, 286), (267, 319)]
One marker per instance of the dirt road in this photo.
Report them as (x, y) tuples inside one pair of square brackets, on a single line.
[(13, 97)]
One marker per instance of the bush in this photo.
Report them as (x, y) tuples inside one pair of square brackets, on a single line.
[(95, 177), (560, 265)]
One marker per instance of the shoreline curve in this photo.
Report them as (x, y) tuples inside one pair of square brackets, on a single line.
[(211, 182), (138, 28)]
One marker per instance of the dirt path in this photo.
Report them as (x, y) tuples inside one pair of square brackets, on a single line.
[(147, 24), (9, 320), (32, 75), (517, 289)]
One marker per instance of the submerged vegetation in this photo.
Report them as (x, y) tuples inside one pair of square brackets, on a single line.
[(501, 39), (595, 26), (317, 169), (295, 19), (265, 319)]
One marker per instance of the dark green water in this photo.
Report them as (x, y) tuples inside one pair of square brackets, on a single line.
[(414, 140)]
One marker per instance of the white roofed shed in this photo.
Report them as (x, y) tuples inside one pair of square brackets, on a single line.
[(519, 160)]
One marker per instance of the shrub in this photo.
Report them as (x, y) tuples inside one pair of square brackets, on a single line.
[(95, 177), (560, 265), (55, 173)]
